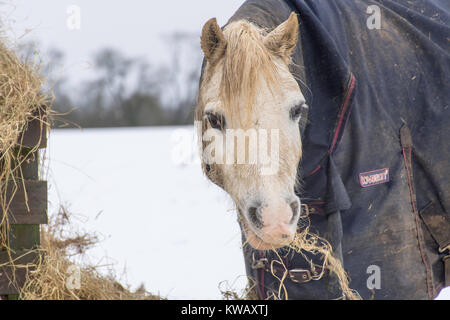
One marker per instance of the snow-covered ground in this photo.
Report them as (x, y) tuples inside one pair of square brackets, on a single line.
[(171, 228), (444, 294), (143, 190)]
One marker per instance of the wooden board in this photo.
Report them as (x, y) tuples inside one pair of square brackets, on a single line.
[(37, 203), (8, 283), (24, 236), (34, 135), (30, 166)]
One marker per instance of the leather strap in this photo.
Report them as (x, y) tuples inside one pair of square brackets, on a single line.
[(437, 222), (407, 148)]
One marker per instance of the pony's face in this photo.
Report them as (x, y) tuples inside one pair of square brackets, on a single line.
[(248, 109)]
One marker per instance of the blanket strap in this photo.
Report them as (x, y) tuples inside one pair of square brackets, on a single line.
[(407, 146), (437, 222)]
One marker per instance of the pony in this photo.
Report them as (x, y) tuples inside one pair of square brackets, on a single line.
[(242, 62), (280, 160)]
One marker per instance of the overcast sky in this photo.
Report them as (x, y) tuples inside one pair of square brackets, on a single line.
[(136, 27)]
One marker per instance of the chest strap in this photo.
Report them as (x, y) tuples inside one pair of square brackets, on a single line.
[(297, 275)]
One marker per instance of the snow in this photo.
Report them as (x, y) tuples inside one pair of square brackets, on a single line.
[(162, 221), (144, 192), (444, 294)]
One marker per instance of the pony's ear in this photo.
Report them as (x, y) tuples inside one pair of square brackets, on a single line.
[(212, 41), (283, 39)]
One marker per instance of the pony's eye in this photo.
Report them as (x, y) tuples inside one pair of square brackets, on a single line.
[(216, 121), (296, 111)]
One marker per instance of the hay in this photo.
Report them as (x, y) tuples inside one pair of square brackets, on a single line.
[(20, 96), (229, 292), (52, 278), (306, 241), (21, 100)]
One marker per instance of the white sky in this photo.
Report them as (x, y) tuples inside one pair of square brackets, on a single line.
[(136, 27)]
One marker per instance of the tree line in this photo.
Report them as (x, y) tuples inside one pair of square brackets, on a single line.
[(128, 91)]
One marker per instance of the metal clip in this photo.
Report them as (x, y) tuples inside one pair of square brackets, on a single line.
[(317, 275), (260, 263)]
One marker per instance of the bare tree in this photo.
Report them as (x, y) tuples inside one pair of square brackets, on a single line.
[(128, 91)]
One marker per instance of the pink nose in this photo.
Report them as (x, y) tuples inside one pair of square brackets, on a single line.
[(279, 223), (279, 234)]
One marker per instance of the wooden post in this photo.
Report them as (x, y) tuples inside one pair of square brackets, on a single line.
[(24, 217)]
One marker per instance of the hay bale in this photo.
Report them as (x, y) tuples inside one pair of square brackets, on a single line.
[(21, 97)]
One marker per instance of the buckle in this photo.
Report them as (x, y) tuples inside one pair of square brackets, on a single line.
[(300, 275)]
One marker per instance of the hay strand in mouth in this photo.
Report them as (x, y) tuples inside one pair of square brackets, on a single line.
[(306, 241)]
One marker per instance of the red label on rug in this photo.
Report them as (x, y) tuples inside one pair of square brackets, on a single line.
[(371, 178)]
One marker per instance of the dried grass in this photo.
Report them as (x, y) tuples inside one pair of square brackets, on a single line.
[(229, 292), (21, 97), (306, 241), (55, 275)]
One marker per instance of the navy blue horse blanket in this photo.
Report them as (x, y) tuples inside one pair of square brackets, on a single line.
[(376, 146)]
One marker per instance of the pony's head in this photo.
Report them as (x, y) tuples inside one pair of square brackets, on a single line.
[(248, 110)]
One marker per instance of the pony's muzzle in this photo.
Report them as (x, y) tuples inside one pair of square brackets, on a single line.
[(277, 223)]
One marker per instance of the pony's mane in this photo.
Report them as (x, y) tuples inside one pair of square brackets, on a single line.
[(246, 65)]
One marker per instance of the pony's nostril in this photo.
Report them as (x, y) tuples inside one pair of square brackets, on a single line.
[(254, 214), (295, 211)]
